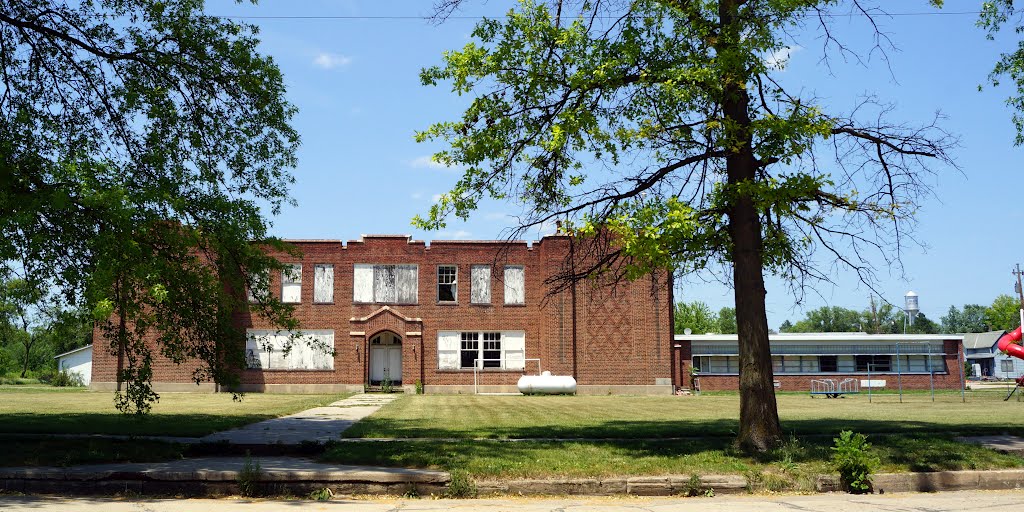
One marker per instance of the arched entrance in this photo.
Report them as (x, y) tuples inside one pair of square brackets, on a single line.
[(386, 359)]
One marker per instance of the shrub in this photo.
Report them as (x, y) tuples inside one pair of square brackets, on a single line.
[(853, 460), (461, 486), (64, 379), (249, 476), (419, 388)]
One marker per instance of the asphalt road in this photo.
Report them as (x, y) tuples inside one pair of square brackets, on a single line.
[(989, 501)]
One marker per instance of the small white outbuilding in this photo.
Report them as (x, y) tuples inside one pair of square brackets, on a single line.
[(77, 361)]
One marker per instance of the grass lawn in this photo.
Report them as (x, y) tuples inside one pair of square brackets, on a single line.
[(47, 410), (501, 417), (795, 466), (925, 440)]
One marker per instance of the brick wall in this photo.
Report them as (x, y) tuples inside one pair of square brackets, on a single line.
[(622, 333)]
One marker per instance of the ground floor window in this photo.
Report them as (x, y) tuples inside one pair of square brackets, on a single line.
[(274, 350), (1006, 366), (875, 363), (464, 350), (817, 364)]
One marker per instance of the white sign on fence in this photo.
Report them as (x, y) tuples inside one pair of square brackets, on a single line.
[(873, 383)]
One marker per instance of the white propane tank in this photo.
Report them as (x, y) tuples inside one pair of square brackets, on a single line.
[(547, 384)]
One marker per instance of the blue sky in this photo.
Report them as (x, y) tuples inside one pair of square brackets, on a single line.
[(356, 84)]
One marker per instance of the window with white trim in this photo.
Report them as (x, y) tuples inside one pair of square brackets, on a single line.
[(460, 350), (291, 284), (447, 282), (480, 284), (515, 284), (323, 284), (388, 284), (1006, 366)]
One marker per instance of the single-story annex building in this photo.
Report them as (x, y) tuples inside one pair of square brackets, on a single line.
[(915, 361), (452, 316)]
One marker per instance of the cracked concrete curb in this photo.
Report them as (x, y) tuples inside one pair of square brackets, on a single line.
[(288, 476)]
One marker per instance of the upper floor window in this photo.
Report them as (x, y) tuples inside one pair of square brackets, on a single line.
[(323, 284), (480, 284), (291, 283), (515, 284), (447, 281), (395, 284), (260, 284)]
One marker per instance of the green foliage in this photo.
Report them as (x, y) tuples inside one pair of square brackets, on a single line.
[(852, 458), (726, 323), (970, 319), (148, 135), (419, 387), (64, 379), (250, 475), (1003, 314), (324, 494), (696, 316), (1010, 65), (786, 326), (830, 319), (461, 485)]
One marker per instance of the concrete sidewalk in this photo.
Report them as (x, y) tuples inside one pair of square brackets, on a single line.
[(317, 425)]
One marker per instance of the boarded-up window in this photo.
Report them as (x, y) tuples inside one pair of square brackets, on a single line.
[(272, 350), (447, 275), (259, 283), (323, 284), (291, 284), (362, 283), (515, 285), (447, 350), (385, 283), (480, 276)]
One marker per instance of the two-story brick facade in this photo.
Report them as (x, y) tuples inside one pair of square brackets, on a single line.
[(389, 310)]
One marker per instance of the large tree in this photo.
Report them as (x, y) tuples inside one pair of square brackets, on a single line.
[(139, 141), (695, 316), (664, 123), (969, 319), (830, 319)]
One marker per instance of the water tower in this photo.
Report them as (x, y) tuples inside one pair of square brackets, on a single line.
[(910, 307)]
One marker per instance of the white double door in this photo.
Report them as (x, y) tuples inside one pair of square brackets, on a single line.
[(386, 364)]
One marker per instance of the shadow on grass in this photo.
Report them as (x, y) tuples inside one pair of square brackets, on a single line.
[(378, 426), (527, 459), (115, 423)]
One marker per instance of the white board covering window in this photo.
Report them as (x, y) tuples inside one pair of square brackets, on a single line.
[(291, 283), (485, 349), (323, 284), (394, 284), (515, 285), (480, 277), (259, 282), (273, 350)]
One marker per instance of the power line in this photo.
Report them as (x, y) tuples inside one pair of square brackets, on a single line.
[(477, 18)]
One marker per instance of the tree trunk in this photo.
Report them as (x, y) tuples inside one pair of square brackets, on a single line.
[(28, 354), (759, 416)]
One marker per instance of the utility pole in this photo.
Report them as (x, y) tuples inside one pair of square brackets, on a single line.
[(1018, 288)]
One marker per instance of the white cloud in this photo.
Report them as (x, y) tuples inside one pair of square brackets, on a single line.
[(428, 162), (417, 195), (780, 58), (460, 234), (326, 60), (435, 198), (497, 216)]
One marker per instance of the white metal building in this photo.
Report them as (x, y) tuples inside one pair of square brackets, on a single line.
[(78, 361)]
